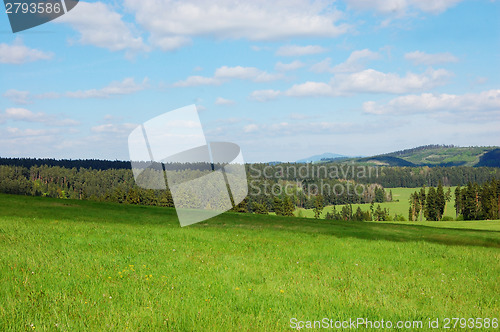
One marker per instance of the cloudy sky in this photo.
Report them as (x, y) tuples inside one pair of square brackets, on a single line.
[(283, 79)]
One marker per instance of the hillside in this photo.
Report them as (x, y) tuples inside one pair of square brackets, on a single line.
[(435, 155), (82, 265)]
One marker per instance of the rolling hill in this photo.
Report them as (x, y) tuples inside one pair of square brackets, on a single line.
[(436, 155)]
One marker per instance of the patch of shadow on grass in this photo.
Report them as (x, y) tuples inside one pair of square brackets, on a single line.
[(369, 231)]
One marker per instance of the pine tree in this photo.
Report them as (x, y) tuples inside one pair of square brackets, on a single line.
[(431, 205), (318, 206), (458, 201), (278, 206), (288, 206), (440, 201), (421, 199)]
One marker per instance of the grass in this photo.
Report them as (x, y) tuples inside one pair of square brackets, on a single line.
[(399, 205), (80, 265)]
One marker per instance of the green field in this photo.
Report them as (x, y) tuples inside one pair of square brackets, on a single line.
[(399, 205), (81, 265)]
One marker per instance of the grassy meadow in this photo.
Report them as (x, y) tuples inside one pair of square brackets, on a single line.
[(85, 266), (399, 205)]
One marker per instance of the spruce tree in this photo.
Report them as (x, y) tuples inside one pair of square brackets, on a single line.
[(431, 205), (440, 201)]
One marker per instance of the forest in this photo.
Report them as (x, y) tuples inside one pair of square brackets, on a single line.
[(278, 189)]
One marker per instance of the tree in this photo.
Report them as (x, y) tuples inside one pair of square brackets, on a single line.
[(318, 206), (260, 208), (379, 195), (278, 206), (421, 198), (431, 205), (440, 201), (458, 201), (288, 207)]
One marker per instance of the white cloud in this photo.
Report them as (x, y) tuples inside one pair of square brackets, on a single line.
[(245, 73), (309, 89), (124, 87), (22, 114), (100, 26), (170, 43), (232, 19), (264, 95), (354, 62), (223, 101), (366, 81), (25, 115), (400, 7), (486, 101), (113, 128), (127, 86), (14, 132), (372, 81), (289, 66), (224, 74), (18, 97), (296, 50), (197, 80), (17, 53), (422, 58), (250, 128)]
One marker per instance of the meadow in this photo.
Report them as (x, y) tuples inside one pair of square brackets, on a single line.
[(85, 266), (399, 205)]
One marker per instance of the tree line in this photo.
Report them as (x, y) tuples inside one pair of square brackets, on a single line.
[(478, 202), (472, 202)]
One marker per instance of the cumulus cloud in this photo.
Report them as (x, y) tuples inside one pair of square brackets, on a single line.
[(250, 128), (372, 81), (297, 50), (422, 58), (264, 95), (18, 97), (100, 26), (289, 66), (17, 53), (400, 7), (223, 101), (309, 89), (245, 73), (366, 81), (225, 73), (114, 128), (25, 115), (174, 23), (486, 101), (125, 87), (354, 62)]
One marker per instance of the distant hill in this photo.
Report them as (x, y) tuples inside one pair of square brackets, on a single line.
[(490, 159), (322, 157), (436, 155)]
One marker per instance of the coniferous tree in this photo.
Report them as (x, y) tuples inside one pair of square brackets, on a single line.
[(458, 201), (421, 198), (440, 201), (431, 205), (318, 206), (288, 206)]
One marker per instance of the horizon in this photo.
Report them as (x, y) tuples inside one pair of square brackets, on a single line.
[(351, 77), (265, 162)]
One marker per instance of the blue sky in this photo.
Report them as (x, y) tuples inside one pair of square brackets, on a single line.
[(283, 79)]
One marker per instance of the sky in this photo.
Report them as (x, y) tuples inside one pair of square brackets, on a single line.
[(283, 79)]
